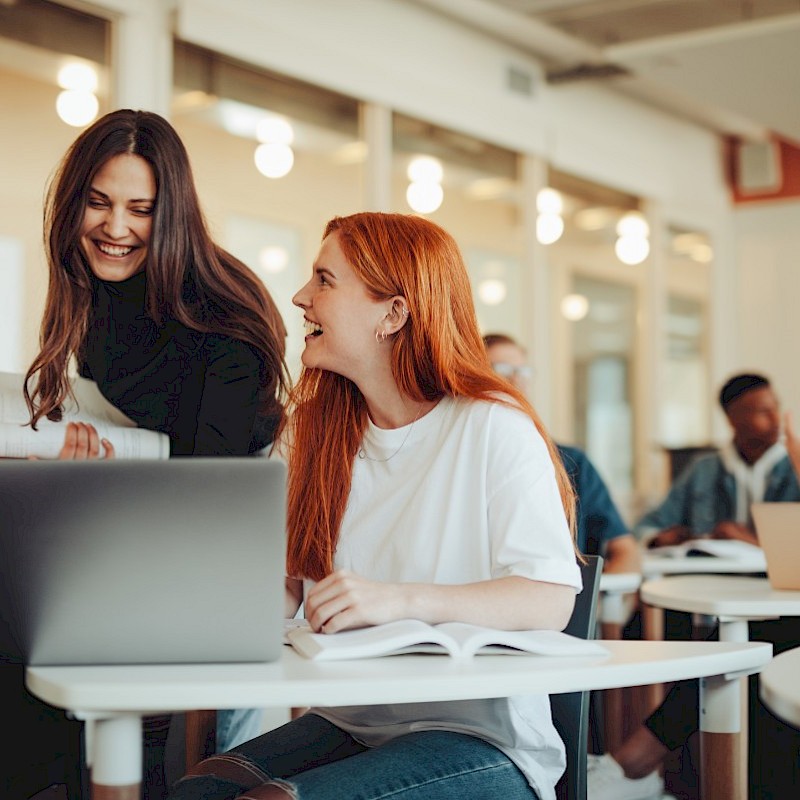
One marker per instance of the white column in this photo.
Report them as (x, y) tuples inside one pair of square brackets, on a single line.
[(536, 322), (142, 56), (376, 131), (651, 359)]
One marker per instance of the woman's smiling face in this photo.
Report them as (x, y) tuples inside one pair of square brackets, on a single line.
[(341, 316), (118, 218)]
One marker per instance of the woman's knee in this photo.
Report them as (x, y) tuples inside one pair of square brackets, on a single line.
[(231, 766), (274, 790)]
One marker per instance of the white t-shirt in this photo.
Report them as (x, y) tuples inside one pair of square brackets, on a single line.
[(471, 495)]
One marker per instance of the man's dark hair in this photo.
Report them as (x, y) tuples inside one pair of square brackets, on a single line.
[(739, 385)]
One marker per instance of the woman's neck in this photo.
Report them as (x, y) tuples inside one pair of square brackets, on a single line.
[(389, 407)]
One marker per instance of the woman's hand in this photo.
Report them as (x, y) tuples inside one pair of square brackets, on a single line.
[(82, 442), (344, 600), (733, 530), (677, 534)]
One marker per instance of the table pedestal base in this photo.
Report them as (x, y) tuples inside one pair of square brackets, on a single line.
[(721, 776), (724, 782), (115, 757), (131, 792)]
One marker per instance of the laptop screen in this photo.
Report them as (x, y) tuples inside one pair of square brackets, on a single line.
[(130, 562)]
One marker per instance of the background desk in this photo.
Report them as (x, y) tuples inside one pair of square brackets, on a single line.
[(732, 600), (115, 698), (655, 566), (779, 687)]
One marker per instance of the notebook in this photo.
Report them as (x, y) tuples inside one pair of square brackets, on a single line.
[(142, 562), (778, 529)]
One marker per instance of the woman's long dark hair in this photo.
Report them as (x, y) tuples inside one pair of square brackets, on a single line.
[(189, 277)]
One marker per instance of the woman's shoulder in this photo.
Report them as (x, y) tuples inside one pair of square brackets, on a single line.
[(499, 410), (498, 421)]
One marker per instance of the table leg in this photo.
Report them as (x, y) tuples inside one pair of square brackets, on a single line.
[(200, 736), (650, 697), (613, 705), (116, 758), (737, 630), (720, 735)]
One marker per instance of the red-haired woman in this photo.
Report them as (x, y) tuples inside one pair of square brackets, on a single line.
[(421, 485)]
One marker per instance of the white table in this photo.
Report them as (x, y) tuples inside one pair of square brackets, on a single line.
[(779, 687), (654, 565), (114, 698), (732, 599), (613, 586)]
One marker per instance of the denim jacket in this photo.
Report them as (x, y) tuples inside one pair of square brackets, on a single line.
[(705, 494)]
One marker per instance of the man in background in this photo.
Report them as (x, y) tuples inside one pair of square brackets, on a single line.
[(712, 496), (600, 528)]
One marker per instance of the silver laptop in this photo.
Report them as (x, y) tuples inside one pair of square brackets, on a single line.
[(142, 562), (778, 530)]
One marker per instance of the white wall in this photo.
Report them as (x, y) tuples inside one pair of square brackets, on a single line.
[(767, 308)]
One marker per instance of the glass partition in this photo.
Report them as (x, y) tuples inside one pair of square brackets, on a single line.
[(688, 395), (603, 364), (471, 188), (274, 160), (53, 67)]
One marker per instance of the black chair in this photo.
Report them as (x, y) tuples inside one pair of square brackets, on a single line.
[(571, 711)]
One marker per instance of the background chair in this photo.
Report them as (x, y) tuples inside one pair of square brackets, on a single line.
[(571, 711)]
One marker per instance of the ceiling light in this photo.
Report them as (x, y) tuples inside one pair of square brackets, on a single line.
[(633, 224), (273, 258), (549, 228), (425, 169), (702, 253), (424, 198), (549, 201), (77, 108), (78, 76), (275, 130), (274, 160), (632, 249), (574, 307), (492, 291)]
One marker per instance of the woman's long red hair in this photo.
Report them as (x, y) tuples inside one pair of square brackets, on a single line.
[(439, 351)]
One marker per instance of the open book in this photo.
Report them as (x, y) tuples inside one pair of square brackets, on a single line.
[(720, 548), (19, 440), (454, 638)]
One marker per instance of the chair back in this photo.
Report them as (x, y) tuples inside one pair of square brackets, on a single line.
[(571, 710)]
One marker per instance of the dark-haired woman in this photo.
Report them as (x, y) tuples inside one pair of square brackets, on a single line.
[(177, 333)]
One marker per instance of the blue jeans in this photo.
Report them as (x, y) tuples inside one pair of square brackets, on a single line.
[(237, 725), (314, 760)]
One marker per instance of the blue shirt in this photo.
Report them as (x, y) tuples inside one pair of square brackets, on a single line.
[(598, 517)]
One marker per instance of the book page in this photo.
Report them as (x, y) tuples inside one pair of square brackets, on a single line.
[(19, 440), (392, 638), (475, 640), (713, 548), (457, 639)]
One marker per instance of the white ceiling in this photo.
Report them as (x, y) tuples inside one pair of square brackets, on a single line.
[(732, 65)]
